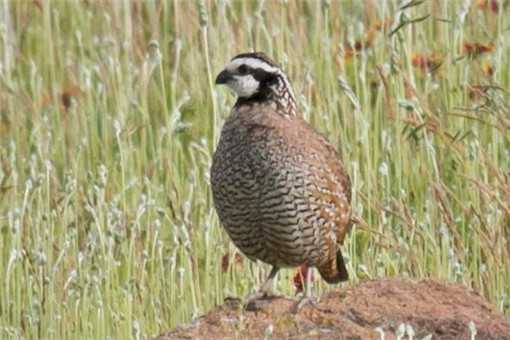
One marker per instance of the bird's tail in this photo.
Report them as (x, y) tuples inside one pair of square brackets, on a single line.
[(334, 270)]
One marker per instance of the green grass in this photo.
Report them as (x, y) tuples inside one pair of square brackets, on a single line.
[(107, 228)]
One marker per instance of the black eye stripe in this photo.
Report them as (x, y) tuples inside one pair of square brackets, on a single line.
[(243, 69), (262, 75)]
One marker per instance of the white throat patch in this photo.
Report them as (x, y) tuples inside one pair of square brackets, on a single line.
[(244, 86)]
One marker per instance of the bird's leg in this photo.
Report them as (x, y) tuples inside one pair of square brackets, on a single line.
[(267, 286), (307, 293), (264, 290), (308, 283)]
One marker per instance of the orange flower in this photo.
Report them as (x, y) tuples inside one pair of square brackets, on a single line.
[(225, 261), (67, 95), (351, 50), (38, 4), (485, 5), (65, 98), (487, 69), (383, 25), (426, 62), (477, 92), (475, 49)]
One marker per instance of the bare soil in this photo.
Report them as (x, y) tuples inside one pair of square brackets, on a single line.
[(443, 310)]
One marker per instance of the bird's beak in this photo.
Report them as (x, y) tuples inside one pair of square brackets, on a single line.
[(223, 77)]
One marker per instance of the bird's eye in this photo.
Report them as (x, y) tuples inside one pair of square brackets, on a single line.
[(243, 69)]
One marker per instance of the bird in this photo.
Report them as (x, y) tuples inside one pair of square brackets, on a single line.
[(279, 188)]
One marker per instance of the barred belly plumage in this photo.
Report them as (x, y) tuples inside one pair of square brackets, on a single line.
[(261, 207)]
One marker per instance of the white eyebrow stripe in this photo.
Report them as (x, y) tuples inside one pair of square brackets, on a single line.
[(253, 63)]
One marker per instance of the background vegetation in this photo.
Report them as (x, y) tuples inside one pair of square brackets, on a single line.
[(109, 117)]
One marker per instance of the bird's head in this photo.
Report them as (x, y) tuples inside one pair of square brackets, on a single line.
[(252, 75)]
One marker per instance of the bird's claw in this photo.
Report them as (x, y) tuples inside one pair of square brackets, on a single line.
[(257, 300), (303, 301)]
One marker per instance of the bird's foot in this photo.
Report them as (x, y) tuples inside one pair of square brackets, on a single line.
[(232, 302), (306, 300), (259, 299)]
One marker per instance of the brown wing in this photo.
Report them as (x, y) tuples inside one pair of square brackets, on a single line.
[(331, 190), (326, 187), (332, 183), (330, 197)]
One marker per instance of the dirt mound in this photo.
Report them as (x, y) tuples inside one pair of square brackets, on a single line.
[(365, 311)]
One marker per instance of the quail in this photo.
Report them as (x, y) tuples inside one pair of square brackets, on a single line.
[(279, 187)]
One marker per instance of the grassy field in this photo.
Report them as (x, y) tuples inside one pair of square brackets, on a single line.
[(109, 117)]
